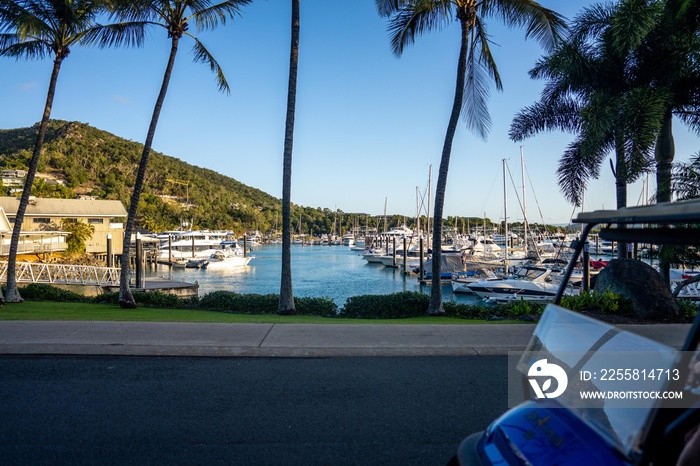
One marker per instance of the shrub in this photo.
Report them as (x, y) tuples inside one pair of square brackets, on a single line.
[(393, 306), (43, 292), (606, 302), (256, 304), (322, 307), (689, 309), (218, 301), (463, 311), (228, 301), (147, 299), (156, 299), (106, 298), (524, 308)]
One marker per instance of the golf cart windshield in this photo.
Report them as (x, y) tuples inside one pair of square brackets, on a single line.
[(593, 350), (588, 350)]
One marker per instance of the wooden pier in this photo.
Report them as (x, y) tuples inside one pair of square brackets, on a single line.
[(91, 280), (152, 284)]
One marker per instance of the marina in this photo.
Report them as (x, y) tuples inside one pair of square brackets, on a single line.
[(340, 272), (334, 272)]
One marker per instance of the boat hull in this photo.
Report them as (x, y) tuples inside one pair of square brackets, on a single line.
[(228, 263), (507, 290)]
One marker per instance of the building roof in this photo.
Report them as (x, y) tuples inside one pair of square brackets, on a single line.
[(43, 207)]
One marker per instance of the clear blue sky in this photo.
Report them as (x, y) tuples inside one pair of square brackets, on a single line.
[(368, 124)]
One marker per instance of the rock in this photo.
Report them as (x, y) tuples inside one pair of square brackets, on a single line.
[(642, 285)]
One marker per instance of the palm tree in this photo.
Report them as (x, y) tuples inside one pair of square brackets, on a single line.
[(175, 16), (286, 304), (668, 60), (37, 29), (592, 92), (475, 69)]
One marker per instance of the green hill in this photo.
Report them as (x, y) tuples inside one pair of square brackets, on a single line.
[(78, 159), (88, 161)]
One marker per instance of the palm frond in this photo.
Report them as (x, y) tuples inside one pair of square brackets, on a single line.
[(599, 124), (642, 110), (416, 18), (630, 23), (137, 11), (546, 26), (9, 11), (209, 17), (591, 22), (202, 55), (7, 39), (32, 21), (690, 115), (688, 96), (31, 49), (131, 34), (686, 179), (570, 68), (486, 57), (387, 8), (475, 109), (548, 115), (47, 26), (574, 171)]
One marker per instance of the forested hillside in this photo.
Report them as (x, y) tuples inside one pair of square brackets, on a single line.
[(88, 161), (78, 159), (94, 162)]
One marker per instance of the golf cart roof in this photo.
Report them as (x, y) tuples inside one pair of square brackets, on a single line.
[(652, 223), (663, 213)]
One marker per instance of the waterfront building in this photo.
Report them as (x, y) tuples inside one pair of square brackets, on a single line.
[(45, 215)]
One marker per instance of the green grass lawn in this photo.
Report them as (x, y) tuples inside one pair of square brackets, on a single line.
[(50, 310)]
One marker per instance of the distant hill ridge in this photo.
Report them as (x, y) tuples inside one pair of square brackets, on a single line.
[(89, 161)]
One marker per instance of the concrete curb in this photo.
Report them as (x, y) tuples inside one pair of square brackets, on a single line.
[(279, 340)]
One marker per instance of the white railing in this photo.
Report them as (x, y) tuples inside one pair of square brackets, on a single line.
[(61, 274), (48, 245)]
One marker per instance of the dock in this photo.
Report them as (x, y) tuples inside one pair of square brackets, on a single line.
[(152, 284)]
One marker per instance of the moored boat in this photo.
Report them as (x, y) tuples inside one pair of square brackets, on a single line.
[(528, 283), (193, 244), (461, 280), (229, 256)]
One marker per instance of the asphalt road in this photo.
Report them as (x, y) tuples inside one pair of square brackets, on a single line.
[(158, 410)]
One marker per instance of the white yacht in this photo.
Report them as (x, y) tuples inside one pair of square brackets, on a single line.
[(348, 239), (461, 280), (193, 244), (229, 255), (528, 283)]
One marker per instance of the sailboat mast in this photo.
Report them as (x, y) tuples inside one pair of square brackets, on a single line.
[(522, 170), (505, 217), (430, 181), (418, 210), (385, 201)]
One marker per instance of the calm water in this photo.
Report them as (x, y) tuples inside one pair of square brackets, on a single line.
[(318, 271)]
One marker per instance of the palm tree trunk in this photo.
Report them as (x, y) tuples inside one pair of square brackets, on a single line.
[(621, 184), (286, 303), (126, 300), (435, 308), (664, 154), (12, 293)]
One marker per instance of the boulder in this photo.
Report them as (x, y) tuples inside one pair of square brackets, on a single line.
[(642, 285)]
